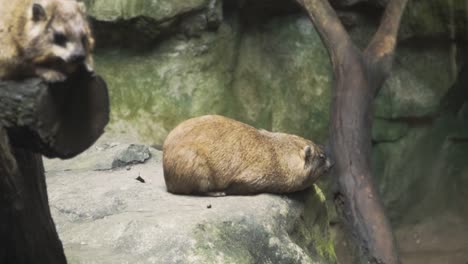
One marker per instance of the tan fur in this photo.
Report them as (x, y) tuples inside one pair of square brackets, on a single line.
[(51, 46), (214, 154)]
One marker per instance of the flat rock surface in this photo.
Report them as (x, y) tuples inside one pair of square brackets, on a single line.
[(110, 217)]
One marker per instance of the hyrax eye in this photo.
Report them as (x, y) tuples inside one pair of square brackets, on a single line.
[(60, 39), (84, 40), (321, 156)]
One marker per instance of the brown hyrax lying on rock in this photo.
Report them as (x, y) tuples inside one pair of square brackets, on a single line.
[(215, 155), (50, 39)]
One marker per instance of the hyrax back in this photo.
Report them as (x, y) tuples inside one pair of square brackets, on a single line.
[(46, 38), (214, 154)]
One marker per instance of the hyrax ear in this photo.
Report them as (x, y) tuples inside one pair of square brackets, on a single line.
[(38, 13), (307, 153), (89, 64), (82, 7)]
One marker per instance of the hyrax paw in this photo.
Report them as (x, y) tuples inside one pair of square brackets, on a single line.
[(51, 76), (216, 194)]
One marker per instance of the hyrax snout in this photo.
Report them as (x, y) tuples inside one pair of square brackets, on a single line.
[(217, 155)]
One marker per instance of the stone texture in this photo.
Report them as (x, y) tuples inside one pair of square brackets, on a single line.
[(131, 155), (225, 74), (110, 217), (179, 79), (428, 165), (421, 77), (282, 80), (140, 24), (433, 19), (106, 156), (159, 10)]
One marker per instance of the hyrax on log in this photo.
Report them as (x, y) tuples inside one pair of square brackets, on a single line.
[(215, 155), (50, 39)]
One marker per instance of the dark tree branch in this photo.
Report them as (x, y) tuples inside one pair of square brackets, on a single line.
[(358, 75), (28, 231), (9, 194), (380, 51), (57, 121), (331, 30), (8, 166)]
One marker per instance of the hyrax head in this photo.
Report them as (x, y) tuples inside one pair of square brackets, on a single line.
[(57, 38), (316, 161)]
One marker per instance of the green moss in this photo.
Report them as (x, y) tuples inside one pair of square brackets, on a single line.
[(285, 238), (320, 195), (312, 231), (217, 244), (154, 90), (283, 78), (277, 78), (420, 78), (430, 164), (432, 19), (325, 246)]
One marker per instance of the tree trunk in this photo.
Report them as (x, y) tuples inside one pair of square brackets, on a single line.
[(58, 121), (350, 138), (358, 78), (28, 233)]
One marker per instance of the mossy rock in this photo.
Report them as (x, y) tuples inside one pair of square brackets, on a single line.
[(285, 238), (159, 10), (156, 89), (420, 78), (428, 165), (283, 78), (434, 20)]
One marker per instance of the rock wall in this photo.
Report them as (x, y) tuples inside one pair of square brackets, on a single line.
[(263, 63)]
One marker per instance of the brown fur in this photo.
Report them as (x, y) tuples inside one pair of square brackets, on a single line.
[(46, 38), (214, 154)]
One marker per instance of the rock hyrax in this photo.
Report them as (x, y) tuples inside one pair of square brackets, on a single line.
[(46, 38), (215, 155)]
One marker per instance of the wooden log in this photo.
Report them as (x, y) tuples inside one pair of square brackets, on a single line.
[(27, 231), (59, 120)]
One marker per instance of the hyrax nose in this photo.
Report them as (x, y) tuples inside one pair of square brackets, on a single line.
[(77, 58)]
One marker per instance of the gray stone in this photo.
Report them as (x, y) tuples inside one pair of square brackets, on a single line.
[(131, 155), (429, 166), (159, 10), (434, 19), (109, 217), (431, 20), (420, 78), (282, 80), (103, 156), (139, 23)]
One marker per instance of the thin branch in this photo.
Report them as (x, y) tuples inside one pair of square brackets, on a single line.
[(331, 30), (382, 47)]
